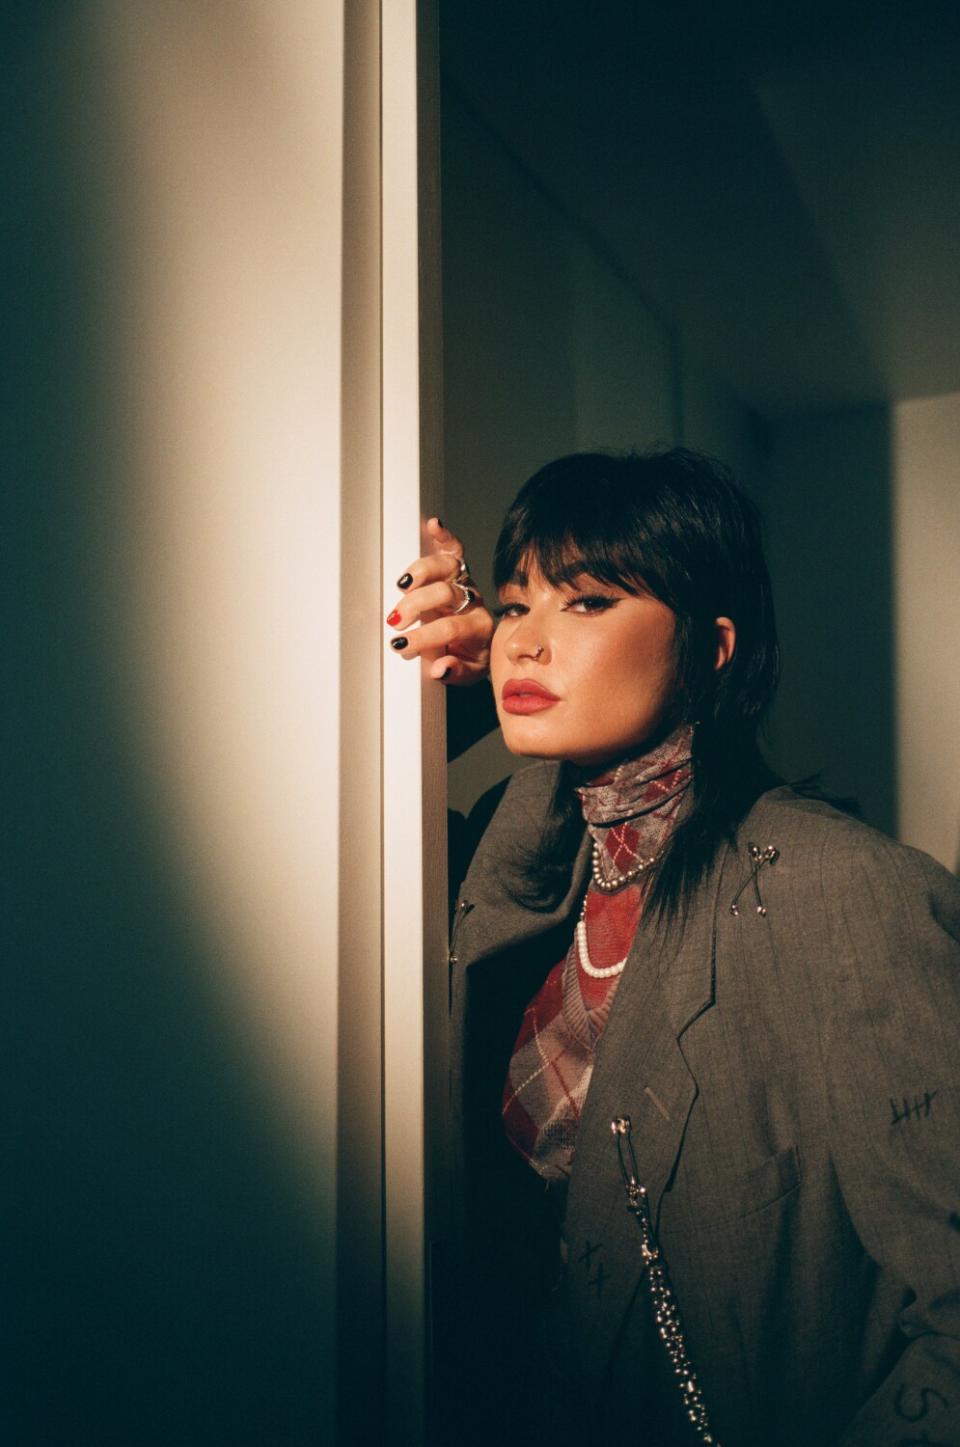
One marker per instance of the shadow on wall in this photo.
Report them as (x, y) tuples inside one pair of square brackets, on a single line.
[(162, 1283), (828, 509)]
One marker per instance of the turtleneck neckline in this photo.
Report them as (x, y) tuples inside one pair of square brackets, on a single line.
[(640, 784)]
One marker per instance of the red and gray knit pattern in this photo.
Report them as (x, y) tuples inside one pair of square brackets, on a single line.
[(630, 812)]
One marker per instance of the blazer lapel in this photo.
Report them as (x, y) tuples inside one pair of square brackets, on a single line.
[(488, 920), (488, 925), (641, 1073)]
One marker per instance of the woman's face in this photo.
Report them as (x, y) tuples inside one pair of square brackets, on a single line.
[(584, 672)]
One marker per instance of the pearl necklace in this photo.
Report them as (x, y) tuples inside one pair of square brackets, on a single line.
[(589, 968), (607, 884)]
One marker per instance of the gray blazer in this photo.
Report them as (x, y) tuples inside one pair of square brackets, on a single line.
[(792, 1082)]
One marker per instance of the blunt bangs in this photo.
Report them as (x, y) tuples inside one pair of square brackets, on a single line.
[(574, 517)]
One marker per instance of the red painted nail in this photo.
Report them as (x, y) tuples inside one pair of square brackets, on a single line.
[(393, 618)]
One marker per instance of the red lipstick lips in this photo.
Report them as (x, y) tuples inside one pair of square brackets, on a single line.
[(522, 695)]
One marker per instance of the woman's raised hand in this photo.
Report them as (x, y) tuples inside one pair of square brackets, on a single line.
[(439, 594)]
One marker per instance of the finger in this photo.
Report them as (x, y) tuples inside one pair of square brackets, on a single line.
[(432, 568), (430, 598), (451, 670), (442, 537), (464, 633)]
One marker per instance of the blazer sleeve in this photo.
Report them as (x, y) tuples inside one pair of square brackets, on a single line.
[(892, 1071)]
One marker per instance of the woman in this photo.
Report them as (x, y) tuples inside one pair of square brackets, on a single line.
[(705, 1026)]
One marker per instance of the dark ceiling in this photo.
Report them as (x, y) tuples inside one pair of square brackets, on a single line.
[(782, 185)]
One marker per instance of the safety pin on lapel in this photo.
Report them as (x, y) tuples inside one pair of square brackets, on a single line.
[(666, 1309), (760, 857), (637, 1200)]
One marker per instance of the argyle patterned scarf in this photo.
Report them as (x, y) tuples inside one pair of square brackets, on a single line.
[(630, 811)]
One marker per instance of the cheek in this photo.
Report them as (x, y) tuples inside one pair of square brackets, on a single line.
[(646, 672), (497, 658)]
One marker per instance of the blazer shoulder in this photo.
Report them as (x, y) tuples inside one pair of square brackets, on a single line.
[(813, 821), (510, 817), (524, 798), (820, 846)]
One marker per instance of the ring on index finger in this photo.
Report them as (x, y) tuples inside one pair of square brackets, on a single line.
[(469, 595)]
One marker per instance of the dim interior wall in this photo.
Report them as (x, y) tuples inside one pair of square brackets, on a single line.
[(548, 348), (863, 520), (717, 422), (926, 509), (828, 512)]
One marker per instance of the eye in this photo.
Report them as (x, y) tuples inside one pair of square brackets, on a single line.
[(510, 610), (590, 603)]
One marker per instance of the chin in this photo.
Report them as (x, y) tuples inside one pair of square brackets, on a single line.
[(524, 748), (526, 741), (527, 744)]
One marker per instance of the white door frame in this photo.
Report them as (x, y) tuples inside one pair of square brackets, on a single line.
[(414, 754)]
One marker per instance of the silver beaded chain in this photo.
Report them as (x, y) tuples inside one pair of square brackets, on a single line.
[(608, 884), (666, 1312)]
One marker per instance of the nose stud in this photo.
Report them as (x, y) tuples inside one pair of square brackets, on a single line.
[(537, 652)]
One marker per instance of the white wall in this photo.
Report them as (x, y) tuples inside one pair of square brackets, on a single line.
[(926, 511), (173, 1065), (218, 159), (193, 931)]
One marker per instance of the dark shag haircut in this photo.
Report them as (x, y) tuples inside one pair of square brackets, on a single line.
[(676, 525)]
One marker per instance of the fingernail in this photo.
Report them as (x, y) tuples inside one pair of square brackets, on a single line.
[(399, 643), (405, 581), (393, 618), (445, 674)]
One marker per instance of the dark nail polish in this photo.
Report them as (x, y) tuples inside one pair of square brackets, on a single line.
[(440, 522), (393, 619), (399, 643), (405, 581), (445, 674)]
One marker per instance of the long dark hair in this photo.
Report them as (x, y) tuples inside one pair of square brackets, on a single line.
[(675, 524)]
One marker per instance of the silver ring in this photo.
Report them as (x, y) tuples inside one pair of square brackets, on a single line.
[(469, 596)]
